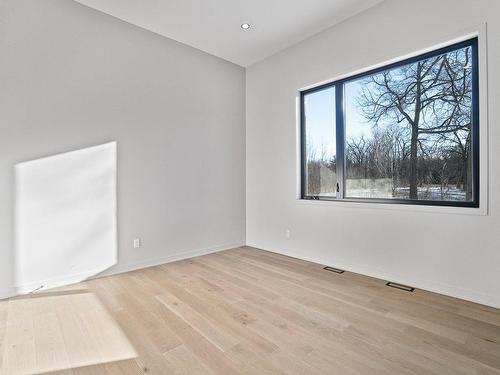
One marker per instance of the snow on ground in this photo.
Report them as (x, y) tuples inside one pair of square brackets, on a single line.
[(428, 192)]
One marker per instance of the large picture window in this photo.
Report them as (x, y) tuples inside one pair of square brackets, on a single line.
[(404, 133)]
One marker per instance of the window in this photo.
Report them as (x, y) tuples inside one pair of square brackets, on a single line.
[(321, 144), (404, 133)]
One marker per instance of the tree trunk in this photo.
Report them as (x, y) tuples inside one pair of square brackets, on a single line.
[(413, 163), (414, 135)]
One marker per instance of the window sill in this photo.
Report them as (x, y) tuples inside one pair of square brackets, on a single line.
[(450, 210)]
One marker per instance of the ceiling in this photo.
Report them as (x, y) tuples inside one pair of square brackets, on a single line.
[(213, 26)]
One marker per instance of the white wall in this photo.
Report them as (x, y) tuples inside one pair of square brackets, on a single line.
[(439, 249), (71, 78)]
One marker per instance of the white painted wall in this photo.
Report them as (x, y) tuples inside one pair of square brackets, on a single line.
[(71, 78), (439, 249)]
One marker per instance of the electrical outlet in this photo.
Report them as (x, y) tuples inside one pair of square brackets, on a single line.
[(287, 233), (137, 243)]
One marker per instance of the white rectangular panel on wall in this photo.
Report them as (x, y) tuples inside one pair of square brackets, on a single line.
[(65, 217)]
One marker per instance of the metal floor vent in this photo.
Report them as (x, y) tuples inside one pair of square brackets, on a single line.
[(400, 286), (333, 269)]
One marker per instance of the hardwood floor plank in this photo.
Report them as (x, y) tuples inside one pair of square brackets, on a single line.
[(19, 346), (245, 311), (183, 362), (219, 338), (215, 314), (50, 347)]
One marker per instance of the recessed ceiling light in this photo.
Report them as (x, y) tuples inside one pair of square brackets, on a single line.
[(245, 26)]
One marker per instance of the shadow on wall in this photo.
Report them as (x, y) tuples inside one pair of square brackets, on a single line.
[(65, 225)]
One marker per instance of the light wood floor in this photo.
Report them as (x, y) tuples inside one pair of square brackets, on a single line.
[(245, 311)]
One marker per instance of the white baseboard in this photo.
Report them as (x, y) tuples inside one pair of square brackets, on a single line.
[(117, 269), (440, 288), (55, 282), (6, 293), (122, 268), (449, 290)]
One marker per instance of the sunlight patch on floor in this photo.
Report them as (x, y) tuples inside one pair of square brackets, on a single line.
[(58, 330)]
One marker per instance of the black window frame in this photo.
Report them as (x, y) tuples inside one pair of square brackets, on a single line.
[(340, 130)]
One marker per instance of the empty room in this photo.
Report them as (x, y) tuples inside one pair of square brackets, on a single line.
[(263, 187)]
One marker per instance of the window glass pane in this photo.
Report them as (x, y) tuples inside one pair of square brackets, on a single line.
[(408, 131), (320, 146)]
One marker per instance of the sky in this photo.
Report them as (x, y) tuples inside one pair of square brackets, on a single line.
[(320, 118), (320, 121)]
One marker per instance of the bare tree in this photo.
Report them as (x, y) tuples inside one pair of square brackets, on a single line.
[(358, 153), (432, 98), (321, 169)]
